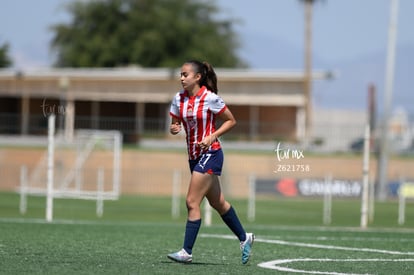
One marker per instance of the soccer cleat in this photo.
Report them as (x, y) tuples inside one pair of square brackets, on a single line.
[(246, 247), (181, 256)]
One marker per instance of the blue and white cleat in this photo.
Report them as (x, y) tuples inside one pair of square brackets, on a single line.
[(246, 247), (181, 256)]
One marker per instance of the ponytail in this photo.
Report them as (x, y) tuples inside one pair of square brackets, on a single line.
[(211, 78), (208, 75)]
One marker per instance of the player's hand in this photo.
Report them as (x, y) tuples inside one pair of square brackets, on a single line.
[(175, 128), (206, 142)]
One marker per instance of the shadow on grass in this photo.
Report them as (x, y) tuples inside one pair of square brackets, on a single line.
[(192, 263)]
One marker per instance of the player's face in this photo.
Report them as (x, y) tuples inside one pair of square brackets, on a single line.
[(189, 79)]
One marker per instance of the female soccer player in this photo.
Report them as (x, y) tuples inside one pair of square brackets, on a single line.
[(196, 108)]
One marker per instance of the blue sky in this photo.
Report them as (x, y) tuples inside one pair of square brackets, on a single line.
[(343, 29), (271, 32)]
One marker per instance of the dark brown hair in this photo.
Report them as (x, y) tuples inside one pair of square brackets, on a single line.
[(208, 76)]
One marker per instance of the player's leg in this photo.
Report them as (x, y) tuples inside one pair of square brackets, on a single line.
[(216, 198), (228, 214), (199, 185), (230, 218)]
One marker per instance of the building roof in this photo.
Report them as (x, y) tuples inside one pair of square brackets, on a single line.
[(236, 86)]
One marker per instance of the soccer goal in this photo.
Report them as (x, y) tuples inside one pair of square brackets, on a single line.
[(88, 167)]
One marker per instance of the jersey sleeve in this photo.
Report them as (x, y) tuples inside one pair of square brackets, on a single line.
[(217, 105), (175, 106)]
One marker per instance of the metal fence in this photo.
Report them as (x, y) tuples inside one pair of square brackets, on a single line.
[(330, 132)]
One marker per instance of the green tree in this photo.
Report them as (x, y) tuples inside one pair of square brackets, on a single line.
[(147, 33), (5, 60)]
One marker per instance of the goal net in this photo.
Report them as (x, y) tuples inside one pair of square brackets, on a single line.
[(89, 167)]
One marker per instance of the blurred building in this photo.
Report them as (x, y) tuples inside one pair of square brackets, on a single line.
[(400, 131), (338, 129), (267, 104)]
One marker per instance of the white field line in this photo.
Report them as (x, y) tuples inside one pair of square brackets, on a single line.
[(311, 245), (335, 229), (326, 238), (276, 264), (85, 222)]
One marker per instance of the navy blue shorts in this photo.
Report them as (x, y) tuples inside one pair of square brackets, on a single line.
[(210, 162)]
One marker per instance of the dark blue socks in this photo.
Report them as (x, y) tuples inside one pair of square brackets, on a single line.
[(230, 219), (191, 231), (233, 222)]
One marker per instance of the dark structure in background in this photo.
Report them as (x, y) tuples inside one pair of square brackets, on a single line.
[(267, 104)]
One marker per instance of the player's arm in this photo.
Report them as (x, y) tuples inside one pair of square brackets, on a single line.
[(228, 122), (175, 126)]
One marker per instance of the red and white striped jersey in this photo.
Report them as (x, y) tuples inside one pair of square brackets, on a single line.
[(198, 116)]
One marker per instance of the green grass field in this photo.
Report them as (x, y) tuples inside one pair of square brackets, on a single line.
[(136, 233)]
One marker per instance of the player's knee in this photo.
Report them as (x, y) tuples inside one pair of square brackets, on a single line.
[(191, 204), (219, 205)]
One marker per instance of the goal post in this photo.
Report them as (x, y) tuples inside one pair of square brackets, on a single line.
[(251, 205), (50, 167), (406, 191), (365, 204), (75, 169)]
